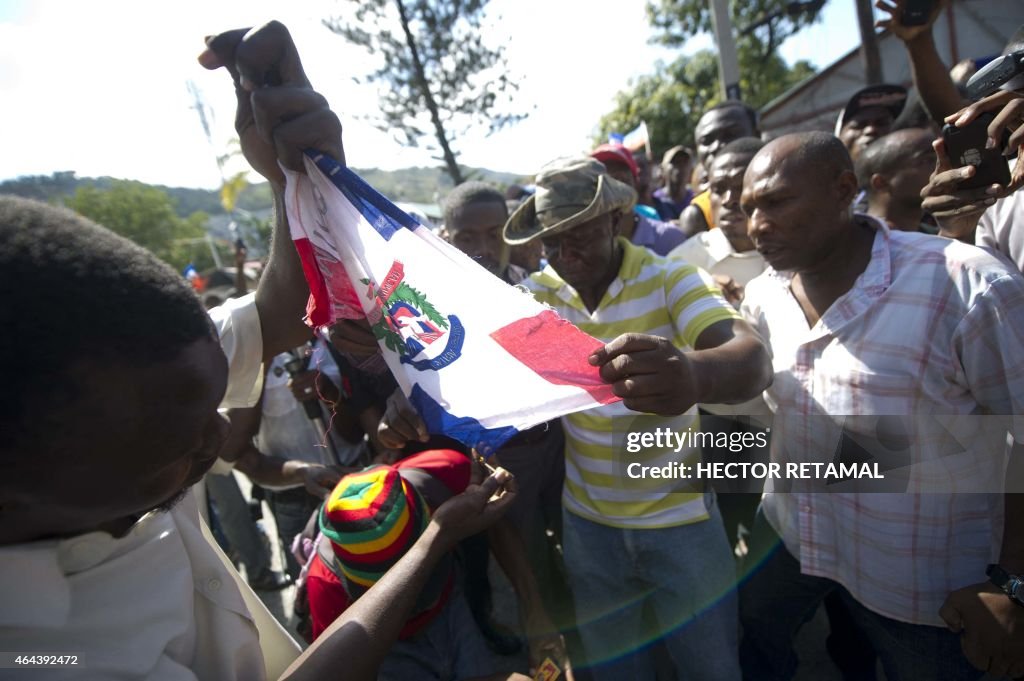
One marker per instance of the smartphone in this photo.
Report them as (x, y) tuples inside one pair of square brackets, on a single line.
[(966, 147), (916, 12)]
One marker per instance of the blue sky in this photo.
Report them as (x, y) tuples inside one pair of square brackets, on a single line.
[(99, 87)]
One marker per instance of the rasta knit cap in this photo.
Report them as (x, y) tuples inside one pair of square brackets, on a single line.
[(372, 518)]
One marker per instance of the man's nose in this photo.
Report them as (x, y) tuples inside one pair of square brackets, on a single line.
[(758, 224)]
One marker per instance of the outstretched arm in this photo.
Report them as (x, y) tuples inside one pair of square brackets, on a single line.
[(730, 364), (931, 77), (278, 116), (358, 640)]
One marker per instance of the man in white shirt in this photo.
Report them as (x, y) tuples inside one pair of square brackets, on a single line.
[(902, 349), (114, 376), (727, 253)]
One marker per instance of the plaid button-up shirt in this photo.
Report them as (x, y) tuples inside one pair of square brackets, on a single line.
[(917, 367)]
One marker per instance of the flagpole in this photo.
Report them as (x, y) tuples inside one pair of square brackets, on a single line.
[(728, 64)]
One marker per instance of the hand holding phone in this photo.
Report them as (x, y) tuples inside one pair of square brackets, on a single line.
[(967, 146), (916, 12), (956, 209), (908, 19)]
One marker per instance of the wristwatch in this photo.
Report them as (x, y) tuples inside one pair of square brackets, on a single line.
[(1013, 585)]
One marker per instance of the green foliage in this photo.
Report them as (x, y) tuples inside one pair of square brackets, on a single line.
[(405, 292), (144, 214), (760, 26), (418, 185), (438, 79), (672, 99)]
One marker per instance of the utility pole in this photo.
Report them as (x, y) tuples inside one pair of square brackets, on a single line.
[(728, 64), (869, 43)]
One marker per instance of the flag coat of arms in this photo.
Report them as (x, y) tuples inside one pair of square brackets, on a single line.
[(479, 360)]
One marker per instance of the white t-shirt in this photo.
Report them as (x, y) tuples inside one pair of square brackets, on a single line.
[(159, 603), (712, 252), (1002, 228), (285, 428)]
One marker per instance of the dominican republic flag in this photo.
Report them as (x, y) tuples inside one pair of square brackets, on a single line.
[(479, 359)]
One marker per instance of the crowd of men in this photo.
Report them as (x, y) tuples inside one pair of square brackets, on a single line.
[(851, 293)]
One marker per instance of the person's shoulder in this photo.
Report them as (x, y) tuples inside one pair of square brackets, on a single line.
[(931, 264), (539, 281), (1004, 214), (694, 250), (918, 250)]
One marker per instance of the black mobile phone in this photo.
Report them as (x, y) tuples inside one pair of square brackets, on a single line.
[(966, 147), (916, 12)]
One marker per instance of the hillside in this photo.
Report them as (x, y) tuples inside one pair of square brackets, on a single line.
[(417, 185)]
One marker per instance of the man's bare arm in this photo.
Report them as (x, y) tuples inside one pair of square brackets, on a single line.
[(278, 116), (931, 76), (730, 364), (360, 638)]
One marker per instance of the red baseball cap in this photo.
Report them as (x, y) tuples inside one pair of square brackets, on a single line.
[(619, 154)]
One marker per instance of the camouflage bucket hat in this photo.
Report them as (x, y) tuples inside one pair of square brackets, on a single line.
[(570, 191)]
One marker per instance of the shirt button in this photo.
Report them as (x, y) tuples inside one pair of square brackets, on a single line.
[(213, 585)]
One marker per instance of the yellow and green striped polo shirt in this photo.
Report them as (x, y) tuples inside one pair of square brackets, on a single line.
[(651, 295)]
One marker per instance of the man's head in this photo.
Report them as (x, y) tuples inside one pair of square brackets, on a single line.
[(797, 193), (893, 171), (643, 168), (726, 184), (619, 162), (868, 115), (722, 124), (373, 517), (575, 213), (676, 167), (474, 214), (113, 374)]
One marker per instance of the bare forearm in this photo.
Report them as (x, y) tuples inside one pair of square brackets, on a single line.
[(733, 372), (245, 423), (270, 471), (510, 551), (355, 644), (931, 77), (283, 291)]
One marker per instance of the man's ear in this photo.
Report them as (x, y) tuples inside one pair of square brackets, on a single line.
[(879, 182), (847, 187)]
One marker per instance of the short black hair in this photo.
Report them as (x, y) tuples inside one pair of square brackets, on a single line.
[(71, 290), (885, 156), (467, 194), (743, 145), (817, 149), (735, 103), (878, 157)]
